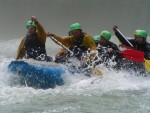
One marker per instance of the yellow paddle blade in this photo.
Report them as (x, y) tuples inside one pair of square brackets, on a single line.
[(97, 72), (147, 65)]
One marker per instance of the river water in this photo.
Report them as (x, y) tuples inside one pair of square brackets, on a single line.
[(116, 92)]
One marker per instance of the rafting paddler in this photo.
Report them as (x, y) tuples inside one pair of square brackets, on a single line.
[(111, 48), (33, 44), (96, 39), (106, 49), (77, 42), (139, 42)]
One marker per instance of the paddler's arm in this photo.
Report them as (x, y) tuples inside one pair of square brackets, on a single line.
[(61, 53), (65, 41), (147, 52), (21, 50), (40, 30), (120, 37)]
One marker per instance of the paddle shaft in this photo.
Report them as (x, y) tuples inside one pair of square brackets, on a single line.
[(62, 45), (125, 38)]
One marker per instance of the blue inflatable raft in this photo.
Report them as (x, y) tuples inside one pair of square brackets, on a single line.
[(37, 76)]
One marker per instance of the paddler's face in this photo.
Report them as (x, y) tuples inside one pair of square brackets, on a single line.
[(32, 30), (139, 39), (76, 33), (103, 41)]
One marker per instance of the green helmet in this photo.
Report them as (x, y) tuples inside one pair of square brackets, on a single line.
[(105, 34), (141, 33), (30, 23), (75, 26), (96, 38)]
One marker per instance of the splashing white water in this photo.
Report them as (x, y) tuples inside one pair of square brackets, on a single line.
[(111, 78), (76, 86)]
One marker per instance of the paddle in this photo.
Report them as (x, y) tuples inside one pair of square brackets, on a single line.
[(133, 55), (140, 58), (94, 69), (124, 38), (62, 45)]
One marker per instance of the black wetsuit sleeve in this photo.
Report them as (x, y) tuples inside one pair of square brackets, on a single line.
[(115, 47), (147, 51), (123, 41)]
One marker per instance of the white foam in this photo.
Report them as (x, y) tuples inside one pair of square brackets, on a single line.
[(74, 84)]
